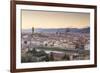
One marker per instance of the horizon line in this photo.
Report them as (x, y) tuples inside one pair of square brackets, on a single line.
[(59, 28)]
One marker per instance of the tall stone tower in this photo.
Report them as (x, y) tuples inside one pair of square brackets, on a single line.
[(32, 30)]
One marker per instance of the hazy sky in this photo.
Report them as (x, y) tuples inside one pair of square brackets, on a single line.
[(47, 19)]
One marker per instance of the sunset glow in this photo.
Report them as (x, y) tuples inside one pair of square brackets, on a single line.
[(47, 19)]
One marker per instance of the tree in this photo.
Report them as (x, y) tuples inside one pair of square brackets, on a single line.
[(65, 57), (26, 57), (51, 56), (34, 51), (47, 58)]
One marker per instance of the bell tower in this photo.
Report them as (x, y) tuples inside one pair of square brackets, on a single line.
[(32, 30)]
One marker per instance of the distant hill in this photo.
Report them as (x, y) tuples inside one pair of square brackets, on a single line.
[(61, 30)]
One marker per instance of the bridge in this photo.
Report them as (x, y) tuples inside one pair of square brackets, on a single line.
[(70, 52)]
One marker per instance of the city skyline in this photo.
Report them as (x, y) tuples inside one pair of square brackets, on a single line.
[(47, 19)]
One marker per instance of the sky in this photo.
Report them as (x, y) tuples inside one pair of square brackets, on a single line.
[(48, 19)]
